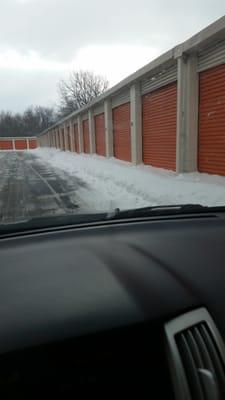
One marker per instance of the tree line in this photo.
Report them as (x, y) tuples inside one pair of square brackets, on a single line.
[(73, 93)]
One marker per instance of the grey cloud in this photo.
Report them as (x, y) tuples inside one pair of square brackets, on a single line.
[(19, 89), (58, 28)]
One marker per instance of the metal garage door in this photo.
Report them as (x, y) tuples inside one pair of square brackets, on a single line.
[(32, 143), (86, 136), (159, 127), (6, 145), (100, 134), (68, 139), (59, 140), (121, 132), (76, 138), (211, 149), (20, 144), (63, 145)]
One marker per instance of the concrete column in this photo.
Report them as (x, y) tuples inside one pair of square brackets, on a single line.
[(91, 131), (187, 114), (136, 124), (27, 144), (80, 134), (108, 128)]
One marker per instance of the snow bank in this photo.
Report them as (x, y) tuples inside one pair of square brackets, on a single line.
[(112, 183)]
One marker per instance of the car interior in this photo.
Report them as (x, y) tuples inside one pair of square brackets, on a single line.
[(134, 303)]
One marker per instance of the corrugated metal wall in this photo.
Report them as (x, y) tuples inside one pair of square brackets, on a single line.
[(99, 109), (212, 56), (100, 134), (122, 132), (121, 98), (161, 79), (159, 110), (211, 150)]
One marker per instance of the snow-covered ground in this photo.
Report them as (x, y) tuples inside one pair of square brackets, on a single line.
[(112, 183)]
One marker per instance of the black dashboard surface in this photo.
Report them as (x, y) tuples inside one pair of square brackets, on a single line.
[(65, 284)]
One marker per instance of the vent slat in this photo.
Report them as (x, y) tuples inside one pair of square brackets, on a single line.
[(197, 356), (212, 349), (194, 349), (190, 368), (207, 363)]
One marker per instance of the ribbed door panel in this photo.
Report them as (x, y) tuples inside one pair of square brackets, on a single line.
[(76, 138), (86, 136), (212, 56), (63, 140), (121, 98), (100, 134), (69, 142), (154, 82), (21, 144), (32, 143), (159, 127), (121, 132), (6, 145), (211, 149)]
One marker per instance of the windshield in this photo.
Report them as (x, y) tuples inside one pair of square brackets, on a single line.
[(104, 110)]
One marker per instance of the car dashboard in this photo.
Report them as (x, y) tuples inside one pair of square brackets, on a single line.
[(115, 304)]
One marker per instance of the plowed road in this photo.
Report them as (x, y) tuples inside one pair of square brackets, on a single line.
[(29, 188)]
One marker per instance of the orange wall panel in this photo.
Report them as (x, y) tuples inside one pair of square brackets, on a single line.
[(6, 145), (100, 134), (159, 113), (211, 140), (122, 132), (20, 144)]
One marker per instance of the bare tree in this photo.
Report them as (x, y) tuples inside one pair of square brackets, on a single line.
[(80, 88), (32, 121)]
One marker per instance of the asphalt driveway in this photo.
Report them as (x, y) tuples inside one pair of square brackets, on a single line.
[(30, 188)]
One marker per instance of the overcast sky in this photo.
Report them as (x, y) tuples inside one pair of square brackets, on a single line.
[(42, 40)]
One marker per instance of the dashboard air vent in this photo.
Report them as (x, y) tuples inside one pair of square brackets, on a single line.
[(196, 356)]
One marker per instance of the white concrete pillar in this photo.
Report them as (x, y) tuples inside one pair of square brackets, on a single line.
[(91, 131), (108, 128), (136, 123), (80, 134), (187, 114), (28, 147)]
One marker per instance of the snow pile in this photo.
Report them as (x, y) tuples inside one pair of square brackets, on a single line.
[(112, 183)]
